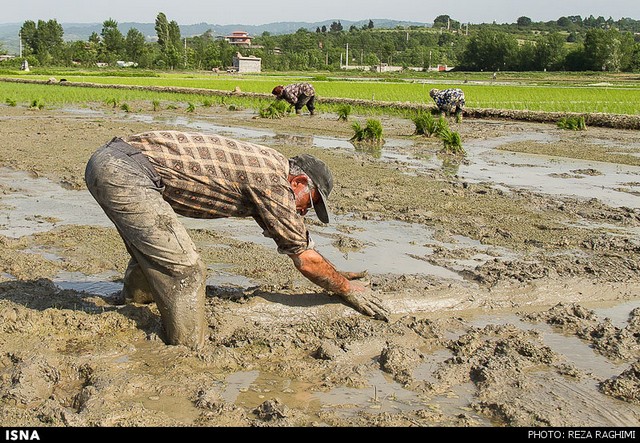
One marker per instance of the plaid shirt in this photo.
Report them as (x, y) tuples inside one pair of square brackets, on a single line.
[(291, 93), (210, 176)]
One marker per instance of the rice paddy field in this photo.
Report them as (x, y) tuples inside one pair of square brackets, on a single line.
[(510, 272), (554, 92)]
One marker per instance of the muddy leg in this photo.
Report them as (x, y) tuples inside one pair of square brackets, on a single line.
[(156, 240), (136, 287), (180, 297)]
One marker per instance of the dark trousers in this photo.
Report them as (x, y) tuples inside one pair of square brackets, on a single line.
[(308, 101)]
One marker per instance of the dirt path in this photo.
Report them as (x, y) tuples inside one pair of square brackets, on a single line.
[(547, 334)]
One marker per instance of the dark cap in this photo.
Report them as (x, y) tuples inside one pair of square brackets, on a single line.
[(277, 90), (322, 178)]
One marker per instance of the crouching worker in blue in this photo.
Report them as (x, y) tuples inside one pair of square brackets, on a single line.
[(144, 181), (449, 101)]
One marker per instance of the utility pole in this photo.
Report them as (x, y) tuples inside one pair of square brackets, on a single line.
[(20, 39), (347, 57), (185, 52)]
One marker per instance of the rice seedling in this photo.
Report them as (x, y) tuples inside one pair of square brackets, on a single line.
[(156, 105), (344, 111), (276, 109), (451, 140), (37, 104), (112, 101), (425, 124), (125, 107), (573, 123), (11, 102), (190, 107), (372, 132)]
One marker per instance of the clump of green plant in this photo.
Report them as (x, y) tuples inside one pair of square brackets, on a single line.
[(191, 107), (37, 104), (125, 107), (276, 109), (425, 124), (574, 123), (112, 101), (344, 111), (372, 132), (156, 105), (11, 101), (172, 107), (451, 140), (207, 103)]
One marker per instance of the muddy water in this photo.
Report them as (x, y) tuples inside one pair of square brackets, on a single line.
[(612, 184)]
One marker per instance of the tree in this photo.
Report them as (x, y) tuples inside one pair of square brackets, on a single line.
[(28, 34), (370, 25), (490, 50), (444, 21), (112, 39), (550, 52), (168, 40), (134, 45), (608, 50), (523, 21), (336, 27), (94, 38), (43, 40)]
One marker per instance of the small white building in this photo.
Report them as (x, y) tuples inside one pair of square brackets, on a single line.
[(246, 64)]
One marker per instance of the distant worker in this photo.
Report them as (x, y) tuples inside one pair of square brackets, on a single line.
[(450, 101), (144, 181), (298, 95)]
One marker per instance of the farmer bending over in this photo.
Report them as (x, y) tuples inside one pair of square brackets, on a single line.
[(449, 101), (298, 94), (143, 181)]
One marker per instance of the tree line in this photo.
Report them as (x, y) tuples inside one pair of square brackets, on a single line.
[(569, 43)]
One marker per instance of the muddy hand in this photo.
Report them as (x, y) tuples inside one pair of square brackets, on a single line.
[(363, 300), (354, 275)]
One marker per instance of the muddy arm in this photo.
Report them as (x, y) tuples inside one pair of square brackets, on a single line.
[(321, 272)]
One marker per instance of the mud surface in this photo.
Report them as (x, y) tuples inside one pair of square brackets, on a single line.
[(512, 304)]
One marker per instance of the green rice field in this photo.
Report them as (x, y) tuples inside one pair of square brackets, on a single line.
[(581, 93)]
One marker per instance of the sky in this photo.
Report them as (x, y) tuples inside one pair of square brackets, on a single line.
[(252, 12)]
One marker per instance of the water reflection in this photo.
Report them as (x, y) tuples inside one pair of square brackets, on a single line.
[(374, 149)]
